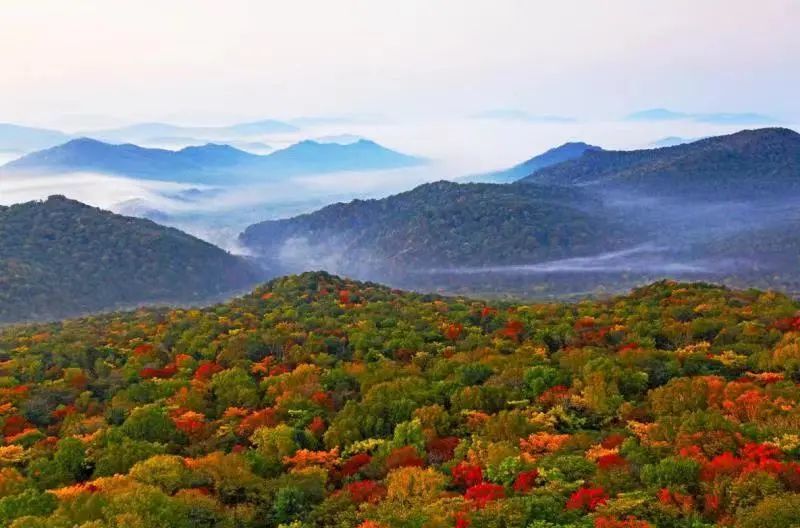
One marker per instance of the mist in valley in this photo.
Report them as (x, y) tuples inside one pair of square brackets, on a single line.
[(674, 238), (457, 147), (704, 240)]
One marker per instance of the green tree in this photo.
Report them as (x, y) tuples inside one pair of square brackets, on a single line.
[(234, 388)]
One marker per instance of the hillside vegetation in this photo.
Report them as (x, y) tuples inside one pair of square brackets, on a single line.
[(320, 402), (440, 224), (61, 257)]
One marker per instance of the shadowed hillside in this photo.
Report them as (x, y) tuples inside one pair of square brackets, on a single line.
[(61, 257), (436, 225), (744, 165)]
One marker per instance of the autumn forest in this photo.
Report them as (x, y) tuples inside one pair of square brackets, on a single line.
[(399, 264), (318, 402)]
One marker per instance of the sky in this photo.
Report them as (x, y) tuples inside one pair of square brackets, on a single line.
[(72, 63)]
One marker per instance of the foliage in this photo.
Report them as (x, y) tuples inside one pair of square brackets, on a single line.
[(444, 224), (289, 407), (61, 258)]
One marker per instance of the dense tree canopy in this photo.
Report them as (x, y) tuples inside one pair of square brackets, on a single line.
[(441, 224), (321, 402), (61, 258)]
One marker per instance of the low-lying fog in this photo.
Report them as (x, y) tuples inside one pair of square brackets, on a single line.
[(456, 147)]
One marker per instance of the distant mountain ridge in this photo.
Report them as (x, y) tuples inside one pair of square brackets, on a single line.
[(311, 156), (142, 131), (173, 142), (717, 118), (211, 163), (565, 152), (90, 155), (24, 139), (62, 258), (606, 219), (671, 141), (763, 162)]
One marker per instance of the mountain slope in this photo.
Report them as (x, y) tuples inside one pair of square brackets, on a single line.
[(209, 163), (128, 160), (61, 257), (565, 152), (765, 256), (312, 156), (763, 162), (441, 224), (16, 138), (143, 131)]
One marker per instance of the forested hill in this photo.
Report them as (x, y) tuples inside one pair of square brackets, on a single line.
[(745, 165), (318, 402), (440, 224), (60, 257)]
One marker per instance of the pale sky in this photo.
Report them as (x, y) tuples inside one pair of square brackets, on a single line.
[(207, 61)]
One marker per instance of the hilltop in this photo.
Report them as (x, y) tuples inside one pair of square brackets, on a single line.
[(747, 164), (60, 257), (554, 156)]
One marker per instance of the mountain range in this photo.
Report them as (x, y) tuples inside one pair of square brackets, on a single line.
[(761, 162), (713, 118), (61, 258), (16, 138), (25, 139), (178, 142), (211, 163), (722, 208), (141, 132), (606, 218)]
